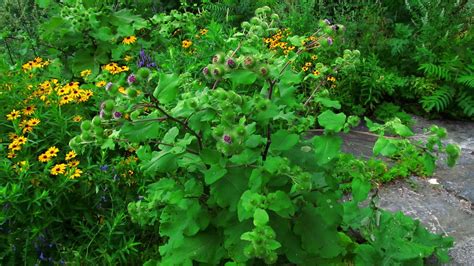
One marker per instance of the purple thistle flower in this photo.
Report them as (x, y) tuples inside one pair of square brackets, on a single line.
[(117, 115), (205, 71), (102, 113), (330, 41), (230, 63), (131, 79), (328, 21), (107, 87), (227, 139)]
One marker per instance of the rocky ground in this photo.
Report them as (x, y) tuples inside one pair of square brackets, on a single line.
[(444, 202)]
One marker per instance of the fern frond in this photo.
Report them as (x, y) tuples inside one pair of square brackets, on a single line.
[(439, 100), (467, 80), (433, 70), (465, 100)]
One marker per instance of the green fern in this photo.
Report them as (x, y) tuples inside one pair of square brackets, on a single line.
[(439, 100), (433, 70), (465, 101), (468, 77)]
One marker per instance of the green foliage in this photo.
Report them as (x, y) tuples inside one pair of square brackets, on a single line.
[(203, 156), (439, 100)]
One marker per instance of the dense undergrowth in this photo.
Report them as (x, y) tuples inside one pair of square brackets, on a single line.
[(178, 133)]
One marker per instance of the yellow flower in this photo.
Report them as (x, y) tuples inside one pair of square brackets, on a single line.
[(20, 140), (33, 122), (122, 90), (186, 43), (203, 31), (65, 100), (101, 83), (11, 155), (314, 57), (29, 110), (127, 58), (85, 73), (14, 114), (12, 136), (305, 68), (14, 147), (52, 151), (70, 155), (77, 118), (77, 173), (73, 163), (308, 64), (27, 129), (44, 158), (332, 79), (316, 73), (58, 169), (129, 40)]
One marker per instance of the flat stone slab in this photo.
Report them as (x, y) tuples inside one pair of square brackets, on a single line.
[(444, 202)]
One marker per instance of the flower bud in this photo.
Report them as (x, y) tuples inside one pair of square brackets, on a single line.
[(231, 63), (227, 139), (131, 79)]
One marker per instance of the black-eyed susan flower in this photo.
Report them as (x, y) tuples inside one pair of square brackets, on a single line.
[(77, 118), (332, 79), (65, 100), (129, 40), (20, 140), (314, 57), (316, 72), (29, 110), (127, 58), (73, 163), (14, 114), (14, 147), (33, 122), (27, 129), (85, 73), (186, 43), (44, 158), (101, 83), (58, 169), (52, 151), (305, 68), (77, 173), (203, 31), (70, 155), (308, 64)]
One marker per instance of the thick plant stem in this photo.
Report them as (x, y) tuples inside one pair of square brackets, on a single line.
[(269, 127), (9, 52), (157, 106)]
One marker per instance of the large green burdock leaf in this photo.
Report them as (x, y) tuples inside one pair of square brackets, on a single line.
[(90, 59), (283, 141), (103, 33), (384, 146), (204, 247), (138, 131), (167, 89), (214, 173), (317, 237), (331, 121), (227, 191), (242, 77), (326, 148)]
